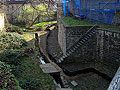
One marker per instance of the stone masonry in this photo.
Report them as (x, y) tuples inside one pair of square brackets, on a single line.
[(103, 46)]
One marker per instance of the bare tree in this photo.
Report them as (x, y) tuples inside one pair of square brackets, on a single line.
[(49, 4)]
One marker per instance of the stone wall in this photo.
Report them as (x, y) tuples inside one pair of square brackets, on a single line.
[(1, 21), (108, 45), (74, 33), (86, 52), (68, 35), (103, 46), (62, 36)]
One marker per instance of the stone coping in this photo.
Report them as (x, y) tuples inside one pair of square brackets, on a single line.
[(109, 30)]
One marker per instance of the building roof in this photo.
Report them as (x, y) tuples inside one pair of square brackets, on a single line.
[(17, 1)]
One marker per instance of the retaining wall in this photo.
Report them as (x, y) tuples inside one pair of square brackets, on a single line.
[(103, 46)]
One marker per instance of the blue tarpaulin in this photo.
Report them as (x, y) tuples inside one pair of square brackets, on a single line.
[(64, 6), (93, 10)]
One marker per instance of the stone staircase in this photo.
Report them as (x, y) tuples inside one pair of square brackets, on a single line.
[(81, 41)]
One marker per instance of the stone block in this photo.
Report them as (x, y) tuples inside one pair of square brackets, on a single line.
[(74, 83)]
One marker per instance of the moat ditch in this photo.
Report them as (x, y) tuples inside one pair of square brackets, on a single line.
[(88, 78), (85, 72), (95, 75)]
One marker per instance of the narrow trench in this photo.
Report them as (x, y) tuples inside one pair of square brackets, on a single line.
[(44, 60), (84, 71), (56, 76)]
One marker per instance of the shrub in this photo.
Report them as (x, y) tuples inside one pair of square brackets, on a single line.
[(7, 80), (11, 41), (13, 28), (11, 57), (30, 83), (17, 70)]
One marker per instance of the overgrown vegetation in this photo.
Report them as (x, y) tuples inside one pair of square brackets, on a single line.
[(12, 28), (25, 66), (42, 24), (33, 78), (12, 57), (29, 14), (7, 80), (75, 22), (11, 41)]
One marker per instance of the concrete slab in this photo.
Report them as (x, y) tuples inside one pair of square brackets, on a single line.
[(74, 83), (48, 68)]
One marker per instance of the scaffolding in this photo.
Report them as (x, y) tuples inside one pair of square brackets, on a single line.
[(106, 11)]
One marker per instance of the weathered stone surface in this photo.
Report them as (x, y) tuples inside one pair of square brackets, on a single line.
[(103, 46), (48, 68), (69, 35), (108, 46), (74, 83)]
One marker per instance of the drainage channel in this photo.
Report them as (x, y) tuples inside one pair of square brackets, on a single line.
[(83, 71), (43, 60)]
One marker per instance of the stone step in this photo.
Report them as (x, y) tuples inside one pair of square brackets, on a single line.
[(83, 40), (74, 48), (68, 53), (59, 61), (64, 56), (79, 43), (89, 35), (86, 38)]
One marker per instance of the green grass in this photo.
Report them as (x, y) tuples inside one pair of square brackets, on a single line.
[(20, 25), (29, 74), (33, 71), (42, 24), (76, 22)]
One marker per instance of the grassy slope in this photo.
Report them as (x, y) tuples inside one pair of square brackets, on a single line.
[(32, 68), (74, 22), (44, 23)]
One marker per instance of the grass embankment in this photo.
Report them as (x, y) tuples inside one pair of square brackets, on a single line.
[(32, 76), (76, 22), (42, 24)]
